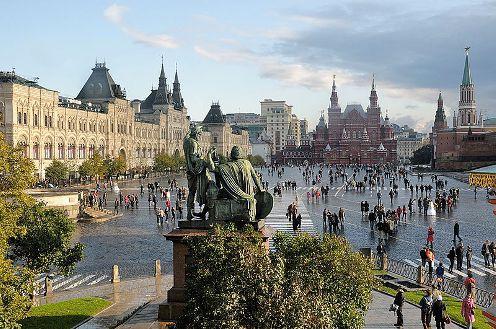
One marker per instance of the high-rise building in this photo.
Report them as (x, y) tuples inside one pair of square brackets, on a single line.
[(282, 126)]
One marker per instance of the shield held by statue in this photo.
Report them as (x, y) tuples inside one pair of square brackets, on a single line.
[(264, 204)]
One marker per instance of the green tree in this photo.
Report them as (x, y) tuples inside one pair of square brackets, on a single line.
[(46, 240), (162, 162), (16, 282), (423, 155), (256, 160), (306, 282), (93, 167), (57, 171), (114, 166)]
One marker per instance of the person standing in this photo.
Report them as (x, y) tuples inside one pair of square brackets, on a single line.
[(451, 257), (456, 233), (468, 256), (430, 237), (324, 220), (485, 253), (459, 257), (426, 309), (468, 313), (341, 215), (399, 300), (439, 312), (440, 275)]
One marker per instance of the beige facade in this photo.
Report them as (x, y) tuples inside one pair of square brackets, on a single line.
[(222, 135), (100, 120), (282, 125)]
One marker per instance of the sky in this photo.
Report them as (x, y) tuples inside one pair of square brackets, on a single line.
[(241, 52)]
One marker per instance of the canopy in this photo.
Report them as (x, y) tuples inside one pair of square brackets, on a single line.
[(483, 177)]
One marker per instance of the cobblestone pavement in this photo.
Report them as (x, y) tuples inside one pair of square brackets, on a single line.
[(379, 317), (135, 240), (474, 216)]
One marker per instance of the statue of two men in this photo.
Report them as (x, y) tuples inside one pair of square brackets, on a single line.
[(236, 177)]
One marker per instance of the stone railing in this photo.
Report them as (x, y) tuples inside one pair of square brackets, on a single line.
[(418, 274)]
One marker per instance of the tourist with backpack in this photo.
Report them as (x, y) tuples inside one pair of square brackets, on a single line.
[(426, 309)]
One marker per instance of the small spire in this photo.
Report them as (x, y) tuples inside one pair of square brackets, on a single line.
[(333, 81), (467, 76), (373, 81)]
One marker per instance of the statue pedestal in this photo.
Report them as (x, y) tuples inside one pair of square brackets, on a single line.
[(176, 296)]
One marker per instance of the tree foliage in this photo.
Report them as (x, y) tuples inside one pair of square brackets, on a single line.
[(423, 155), (256, 160), (46, 242), (115, 166), (164, 162), (16, 282), (93, 167), (17, 278), (306, 282), (57, 171)]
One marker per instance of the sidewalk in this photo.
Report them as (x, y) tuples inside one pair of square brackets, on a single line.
[(379, 317), (126, 296)]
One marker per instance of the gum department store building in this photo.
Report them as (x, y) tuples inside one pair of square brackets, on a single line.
[(101, 119)]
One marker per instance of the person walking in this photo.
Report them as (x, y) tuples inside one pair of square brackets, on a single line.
[(451, 257), (468, 313), (426, 309), (324, 220), (341, 215), (399, 300), (439, 312), (456, 233)]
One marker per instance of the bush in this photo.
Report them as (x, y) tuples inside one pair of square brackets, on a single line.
[(306, 282)]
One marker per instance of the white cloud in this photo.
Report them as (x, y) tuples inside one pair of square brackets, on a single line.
[(115, 14)]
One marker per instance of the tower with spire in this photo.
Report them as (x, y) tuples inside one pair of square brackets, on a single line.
[(467, 113), (177, 98), (440, 122), (373, 112), (334, 114), (161, 96)]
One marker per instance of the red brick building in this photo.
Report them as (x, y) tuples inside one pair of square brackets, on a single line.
[(355, 135), (468, 144)]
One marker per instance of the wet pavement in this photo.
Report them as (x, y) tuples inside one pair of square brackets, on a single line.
[(135, 241), (474, 216)]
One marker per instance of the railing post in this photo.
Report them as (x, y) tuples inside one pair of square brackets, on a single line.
[(115, 274), (48, 285), (384, 262), (420, 274), (158, 269)]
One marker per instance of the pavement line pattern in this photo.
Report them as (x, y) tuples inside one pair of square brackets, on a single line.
[(280, 222), (74, 285), (97, 280), (63, 283)]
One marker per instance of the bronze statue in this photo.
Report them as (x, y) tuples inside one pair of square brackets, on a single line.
[(236, 195), (238, 178), (196, 172)]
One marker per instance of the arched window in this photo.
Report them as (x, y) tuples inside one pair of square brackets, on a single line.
[(82, 151), (48, 150), (71, 151), (36, 151), (60, 150), (91, 151)]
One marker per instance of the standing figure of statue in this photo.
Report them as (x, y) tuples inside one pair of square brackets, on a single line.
[(196, 173)]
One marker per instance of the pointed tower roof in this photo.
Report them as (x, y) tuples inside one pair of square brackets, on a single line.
[(467, 76), (334, 105), (177, 98), (214, 115), (321, 123), (100, 86), (161, 94)]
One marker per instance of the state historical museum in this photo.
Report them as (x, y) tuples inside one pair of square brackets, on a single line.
[(355, 135)]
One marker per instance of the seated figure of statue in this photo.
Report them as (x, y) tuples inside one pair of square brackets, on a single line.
[(237, 178)]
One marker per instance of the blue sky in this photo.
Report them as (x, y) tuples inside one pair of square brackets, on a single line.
[(240, 52)]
